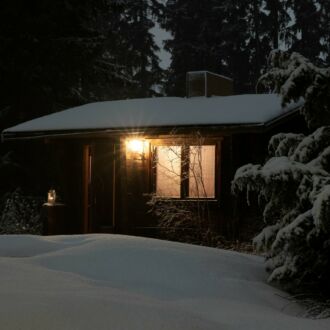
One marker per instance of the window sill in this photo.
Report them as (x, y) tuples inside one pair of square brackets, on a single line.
[(172, 199)]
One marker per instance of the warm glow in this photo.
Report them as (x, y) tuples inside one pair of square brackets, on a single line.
[(168, 171), (136, 146), (137, 149), (51, 197), (202, 171)]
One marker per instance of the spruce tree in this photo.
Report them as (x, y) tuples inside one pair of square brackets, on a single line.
[(277, 22), (195, 27), (306, 29), (60, 53), (232, 48), (325, 29), (227, 37), (56, 54), (258, 41), (293, 186), (48, 47), (140, 48), (245, 42)]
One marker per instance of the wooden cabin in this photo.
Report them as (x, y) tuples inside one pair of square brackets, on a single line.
[(113, 156)]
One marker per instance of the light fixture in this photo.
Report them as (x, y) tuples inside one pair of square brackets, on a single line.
[(51, 197), (135, 145), (136, 148)]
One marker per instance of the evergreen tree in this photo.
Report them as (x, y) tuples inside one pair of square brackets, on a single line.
[(227, 37), (234, 37), (45, 48), (60, 53), (277, 22), (195, 27), (294, 184), (294, 77), (325, 29), (140, 49), (232, 48), (306, 29), (257, 42)]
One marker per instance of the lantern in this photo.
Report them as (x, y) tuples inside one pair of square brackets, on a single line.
[(51, 197)]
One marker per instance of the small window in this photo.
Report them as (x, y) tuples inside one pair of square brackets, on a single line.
[(185, 172)]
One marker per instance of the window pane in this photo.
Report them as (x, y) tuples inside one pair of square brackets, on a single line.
[(168, 171), (202, 172)]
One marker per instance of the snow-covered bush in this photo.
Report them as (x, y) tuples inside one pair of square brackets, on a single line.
[(293, 186), (184, 222), (20, 215)]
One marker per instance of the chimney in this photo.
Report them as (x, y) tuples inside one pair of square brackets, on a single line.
[(204, 83)]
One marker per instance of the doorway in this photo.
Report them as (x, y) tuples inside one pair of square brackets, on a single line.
[(100, 187)]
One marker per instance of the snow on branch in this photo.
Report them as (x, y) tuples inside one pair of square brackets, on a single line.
[(293, 187), (294, 77)]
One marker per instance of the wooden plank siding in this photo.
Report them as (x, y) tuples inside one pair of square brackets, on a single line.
[(132, 182), (85, 186), (129, 182)]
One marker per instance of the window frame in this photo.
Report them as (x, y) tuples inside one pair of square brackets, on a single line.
[(185, 144)]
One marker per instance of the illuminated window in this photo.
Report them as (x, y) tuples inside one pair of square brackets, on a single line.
[(201, 171), (168, 171), (185, 172)]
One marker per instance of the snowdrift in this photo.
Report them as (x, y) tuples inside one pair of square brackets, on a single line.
[(120, 282)]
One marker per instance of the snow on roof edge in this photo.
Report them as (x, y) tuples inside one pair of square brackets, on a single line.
[(161, 112)]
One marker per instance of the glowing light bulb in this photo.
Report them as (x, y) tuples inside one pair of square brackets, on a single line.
[(136, 146)]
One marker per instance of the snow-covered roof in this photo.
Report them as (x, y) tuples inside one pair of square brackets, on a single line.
[(160, 112)]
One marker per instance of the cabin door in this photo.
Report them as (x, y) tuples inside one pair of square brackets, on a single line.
[(101, 187)]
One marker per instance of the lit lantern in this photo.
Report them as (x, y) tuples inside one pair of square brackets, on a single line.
[(136, 148), (51, 197)]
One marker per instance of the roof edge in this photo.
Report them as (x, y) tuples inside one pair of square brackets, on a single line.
[(37, 135)]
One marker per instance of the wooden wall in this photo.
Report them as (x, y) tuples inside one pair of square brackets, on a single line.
[(129, 183), (68, 183), (135, 191)]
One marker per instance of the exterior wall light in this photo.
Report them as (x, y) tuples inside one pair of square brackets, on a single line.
[(136, 149)]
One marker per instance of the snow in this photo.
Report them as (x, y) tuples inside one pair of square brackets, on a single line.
[(265, 236), (321, 209), (293, 77), (121, 282), (161, 112), (294, 191), (160, 35)]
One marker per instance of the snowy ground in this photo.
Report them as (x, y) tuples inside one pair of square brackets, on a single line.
[(119, 282)]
